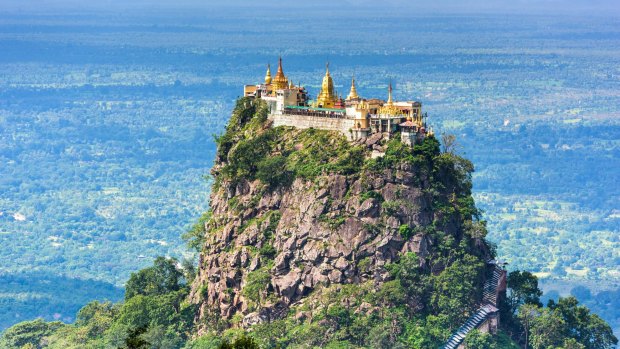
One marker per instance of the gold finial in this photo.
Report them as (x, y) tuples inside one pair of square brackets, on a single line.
[(353, 92), (268, 75), (280, 71)]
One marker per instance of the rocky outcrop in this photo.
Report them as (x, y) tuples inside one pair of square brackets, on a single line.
[(334, 230), (295, 213)]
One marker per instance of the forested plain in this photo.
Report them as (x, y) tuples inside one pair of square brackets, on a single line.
[(107, 124)]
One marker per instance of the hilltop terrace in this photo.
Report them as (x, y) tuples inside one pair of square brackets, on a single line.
[(355, 117)]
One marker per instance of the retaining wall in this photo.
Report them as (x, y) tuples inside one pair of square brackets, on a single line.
[(324, 123)]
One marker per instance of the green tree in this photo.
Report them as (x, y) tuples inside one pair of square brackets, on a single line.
[(189, 270), (571, 343), (28, 333), (95, 317), (522, 289), (527, 314), (586, 328), (244, 157), (547, 330), (414, 282), (256, 284), (162, 337), (166, 310), (134, 339), (195, 237), (478, 340), (428, 148), (273, 172), (456, 288), (163, 277), (564, 324), (405, 231)]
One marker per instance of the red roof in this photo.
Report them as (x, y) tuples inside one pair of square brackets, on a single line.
[(408, 123)]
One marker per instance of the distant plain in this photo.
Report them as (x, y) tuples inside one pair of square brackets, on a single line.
[(106, 126)]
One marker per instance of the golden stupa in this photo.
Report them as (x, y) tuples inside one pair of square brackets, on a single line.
[(353, 93), (280, 81), (268, 75), (327, 97)]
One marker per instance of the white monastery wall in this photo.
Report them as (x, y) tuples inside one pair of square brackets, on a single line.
[(324, 123)]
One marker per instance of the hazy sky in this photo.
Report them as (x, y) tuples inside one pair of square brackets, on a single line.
[(438, 6)]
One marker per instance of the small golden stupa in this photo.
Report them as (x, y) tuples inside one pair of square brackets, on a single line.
[(353, 93), (327, 97), (268, 76)]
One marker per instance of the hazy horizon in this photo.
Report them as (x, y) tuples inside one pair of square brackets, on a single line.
[(546, 7)]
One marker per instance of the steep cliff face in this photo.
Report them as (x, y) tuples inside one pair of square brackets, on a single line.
[(317, 232), (308, 213)]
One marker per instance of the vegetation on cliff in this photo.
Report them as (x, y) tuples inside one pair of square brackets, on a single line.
[(250, 149), (311, 242)]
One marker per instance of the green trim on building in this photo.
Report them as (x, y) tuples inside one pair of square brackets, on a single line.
[(314, 109)]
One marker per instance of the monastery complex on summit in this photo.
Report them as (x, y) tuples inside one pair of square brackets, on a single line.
[(355, 117)]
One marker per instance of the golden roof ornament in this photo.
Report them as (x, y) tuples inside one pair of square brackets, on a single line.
[(268, 76), (353, 93), (389, 108)]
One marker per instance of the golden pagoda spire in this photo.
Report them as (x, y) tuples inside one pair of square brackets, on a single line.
[(390, 101), (280, 81), (327, 96), (268, 75), (353, 93), (389, 108)]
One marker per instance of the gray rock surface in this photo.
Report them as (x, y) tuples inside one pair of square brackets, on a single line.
[(325, 228)]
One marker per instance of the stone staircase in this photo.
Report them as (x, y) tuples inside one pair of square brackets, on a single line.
[(473, 322), (489, 295), (489, 306)]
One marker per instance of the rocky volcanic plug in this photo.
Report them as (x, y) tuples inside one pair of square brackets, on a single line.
[(325, 215)]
